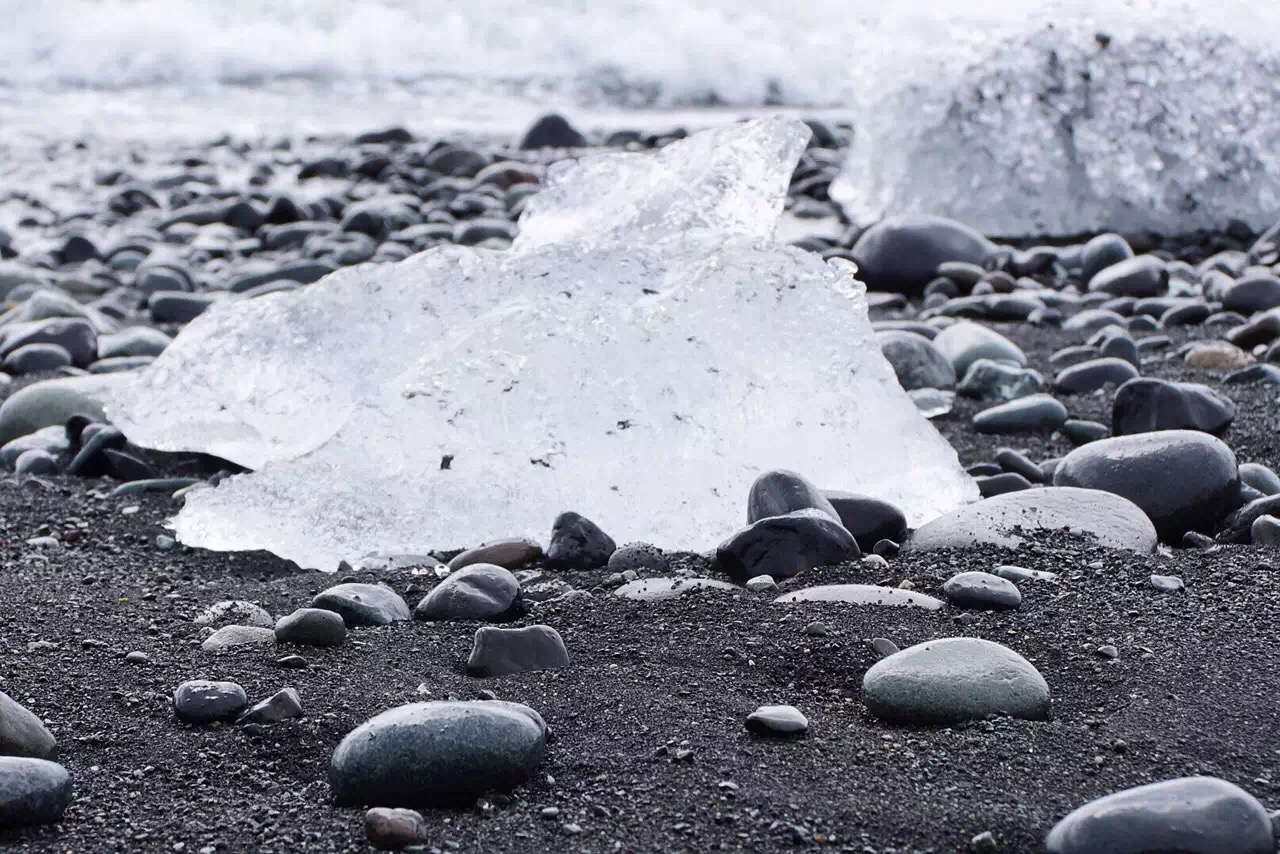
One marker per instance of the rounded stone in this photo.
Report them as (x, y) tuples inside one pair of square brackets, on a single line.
[(36, 358), (1145, 404), (511, 553), (953, 680), (1095, 374), (664, 589), (1112, 521), (481, 591), (32, 791), (1265, 531), (36, 462), (777, 721), (981, 591), (964, 343), (1183, 480), (438, 753), (777, 493), (870, 520), (1260, 477), (1190, 815), (578, 543), (903, 253), (1141, 276), (22, 733), (202, 701), (1102, 252), (363, 604), (52, 402), (234, 612), (861, 594), (916, 361), (311, 627), (499, 652), (783, 546), (1034, 412)]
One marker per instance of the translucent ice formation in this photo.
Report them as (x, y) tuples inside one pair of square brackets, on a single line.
[(1058, 117), (640, 356)]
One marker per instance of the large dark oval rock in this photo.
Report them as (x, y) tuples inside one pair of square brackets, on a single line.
[(782, 546), (1145, 404), (953, 680), (916, 362), (1184, 480), (363, 604), (1252, 294), (1143, 276), (1113, 521), (903, 253), (481, 591), (779, 492), (578, 543), (1191, 815), (499, 652), (430, 754), (870, 520), (22, 733), (32, 791)]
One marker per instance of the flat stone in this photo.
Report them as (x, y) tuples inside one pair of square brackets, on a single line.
[(981, 591), (234, 612), (1150, 469), (481, 591), (52, 402), (510, 553), (778, 721), (783, 546), (282, 706), (311, 627), (1190, 815), (1113, 521), (861, 594), (663, 589), (1167, 583), (1018, 573), (1094, 375), (231, 637), (363, 604), (1034, 412), (953, 680), (438, 753), (201, 701), (499, 652), (22, 733), (32, 791)]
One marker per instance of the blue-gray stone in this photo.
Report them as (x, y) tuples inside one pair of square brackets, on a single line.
[(981, 591), (311, 627), (22, 733), (1095, 374), (1190, 815), (32, 791), (499, 652), (916, 361), (965, 343), (783, 546), (902, 253), (953, 680), (777, 493), (988, 380), (1035, 412), (134, 341), (1260, 477), (1142, 276), (201, 701), (35, 359), (363, 604), (1145, 404), (663, 589), (428, 754), (480, 591)]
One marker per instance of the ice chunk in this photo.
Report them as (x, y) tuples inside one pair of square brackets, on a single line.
[(1038, 117), (641, 374)]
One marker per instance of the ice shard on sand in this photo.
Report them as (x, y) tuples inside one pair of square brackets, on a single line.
[(640, 355)]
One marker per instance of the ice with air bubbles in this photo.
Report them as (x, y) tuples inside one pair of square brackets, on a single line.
[(1062, 117), (642, 353)]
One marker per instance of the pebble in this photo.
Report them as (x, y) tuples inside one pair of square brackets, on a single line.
[(231, 637), (1102, 252), (1149, 470), (861, 594), (280, 706), (1196, 815), (511, 553), (964, 343), (783, 546), (1018, 573), (234, 612), (777, 721), (1265, 531), (500, 652), (1141, 276), (480, 591), (201, 701), (763, 583), (634, 557), (1093, 375), (36, 462), (916, 361), (953, 680), (311, 627), (32, 791), (22, 733), (578, 543), (436, 753), (1034, 412), (1114, 522), (137, 657), (988, 380), (981, 591), (883, 647), (392, 829), (1167, 583), (363, 604)]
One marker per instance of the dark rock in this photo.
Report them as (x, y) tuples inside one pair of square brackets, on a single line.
[(1252, 294), (1016, 463), (1083, 432), (1145, 404), (22, 733), (387, 136), (36, 359), (777, 493), (782, 546), (1262, 328), (777, 721), (1102, 252), (577, 543), (75, 335), (917, 363), (1238, 527), (902, 254), (552, 131), (1143, 276), (1150, 469), (1001, 483), (1034, 412), (201, 701), (282, 706), (32, 791), (1260, 477), (868, 519), (989, 380), (499, 652), (480, 591), (178, 306), (1094, 375), (311, 627), (363, 604), (981, 591)]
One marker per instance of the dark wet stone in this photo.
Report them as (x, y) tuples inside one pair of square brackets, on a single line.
[(578, 543), (953, 680), (1150, 469), (1083, 432), (1145, 404), (1113, 521), (90, 461), (1253, 293), (1012, 461), (510, 553), (1074, 355), (302, 272), (1262, 328), (363, 604), (35, 359), (178, 306), (386, 136), (981, 591), (552, 131), (902, 254), (1191, 815), (782, 546), (499, 652), (777, 493), (868, 519), (311, 627), (1238, 526), (22, 733), (127, 467), (1142, 276), (1034, 412), (1094, 375), (1260, 477), (32, 791), (990, 380), (480, 591), (431, 754), (76, 335), (1102, 252), (1268, 374), (916, 362), (201, 701), (1117, 344), (999, 484)]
